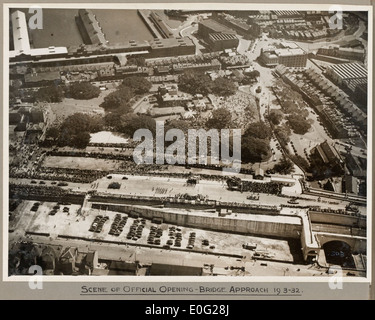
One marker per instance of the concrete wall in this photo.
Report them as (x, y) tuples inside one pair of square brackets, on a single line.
[(194, 205), (226, 224), (357, 244), (332, 218)]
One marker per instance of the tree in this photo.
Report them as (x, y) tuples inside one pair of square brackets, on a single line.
[(118, 98), (112, 120), (298, 124), (223, 87), (178, 124), (254, 149), (283, 134), (195, 82), (258, 130), (285, 166), (301, 162), (253, 74), (80, 140), (138, 61), (52, 133), (138, 84), (275, 116), (82, 122), (221, 118), (83, 91), (129, 123), (290, 106), (75, 130), (49, 94), (114, 185)]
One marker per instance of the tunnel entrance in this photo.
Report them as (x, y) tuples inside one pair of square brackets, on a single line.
[(339, 253)]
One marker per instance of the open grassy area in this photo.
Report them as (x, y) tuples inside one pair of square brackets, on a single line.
[(68, 107), (81, 163)]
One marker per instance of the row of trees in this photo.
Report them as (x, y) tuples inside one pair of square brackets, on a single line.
[(292, 105), (76, 90), (255, 143), (198, 82), (119, 101), (85, 90), (75, 130), (119, 114)]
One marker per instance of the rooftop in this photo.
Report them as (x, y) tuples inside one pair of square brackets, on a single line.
[(289, 52), (216, 26), (222, 36), (42, 76), (171, 42), (20, 35), (349, 70)]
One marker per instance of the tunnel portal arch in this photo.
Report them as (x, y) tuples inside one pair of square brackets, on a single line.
[(338, 252)]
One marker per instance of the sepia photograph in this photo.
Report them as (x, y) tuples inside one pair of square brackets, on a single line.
[(156, 141)]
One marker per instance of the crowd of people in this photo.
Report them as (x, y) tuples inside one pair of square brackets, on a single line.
[(266, 187), (63, 174), (17, 190), (159, 190), (243, 108)]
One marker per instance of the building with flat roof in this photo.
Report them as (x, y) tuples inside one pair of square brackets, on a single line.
[(290, 55), (20, 35), (171, 47), (21, 41), (351, 184), (97, 49)]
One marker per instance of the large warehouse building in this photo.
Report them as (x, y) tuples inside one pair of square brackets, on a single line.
[(289, 55), (350, 75), (21, 41), (97, 51), (217, 35)]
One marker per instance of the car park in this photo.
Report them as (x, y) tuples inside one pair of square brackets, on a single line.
[(98, 223)]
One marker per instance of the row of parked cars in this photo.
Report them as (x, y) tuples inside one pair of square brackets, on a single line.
[(174, 235), (118, 225), (98, 223), (191, 240), (136, 229), (154, 236), (35, 206)]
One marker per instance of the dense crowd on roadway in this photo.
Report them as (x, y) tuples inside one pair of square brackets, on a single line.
[(24, 191)]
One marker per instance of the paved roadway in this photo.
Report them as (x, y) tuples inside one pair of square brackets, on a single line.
[(169, 187)]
